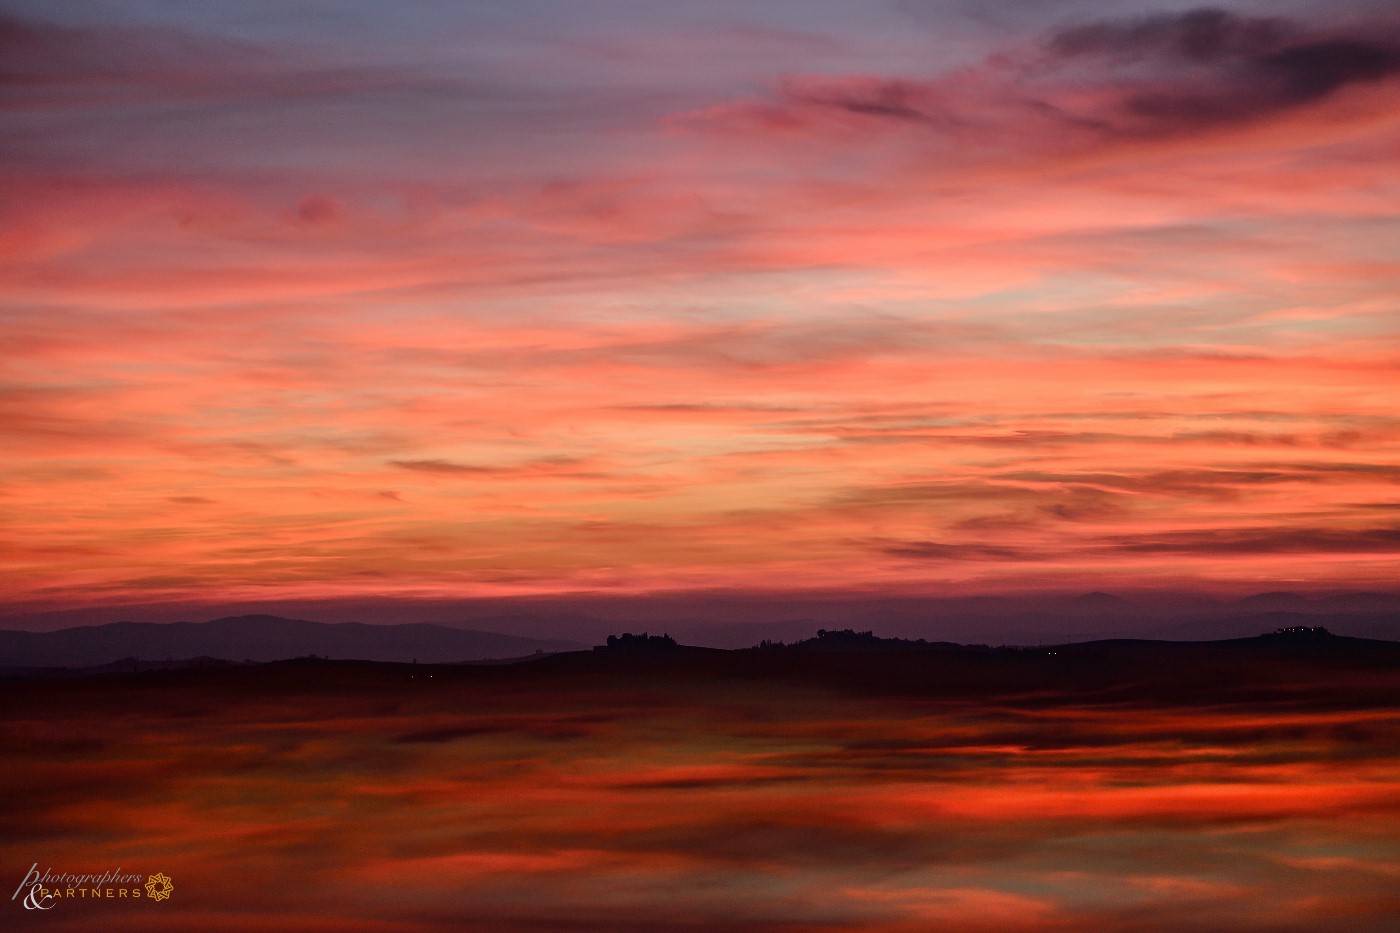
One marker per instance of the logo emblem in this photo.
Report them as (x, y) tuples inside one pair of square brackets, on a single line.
[(159, 886)]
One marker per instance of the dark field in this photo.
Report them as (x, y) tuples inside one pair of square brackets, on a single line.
[(1249, 785)]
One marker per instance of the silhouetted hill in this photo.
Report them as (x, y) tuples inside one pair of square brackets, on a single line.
[(1316, 668), (740, 621), (1110, 671), (850, 640), (261, 638), (643, 642), (1378, 625)]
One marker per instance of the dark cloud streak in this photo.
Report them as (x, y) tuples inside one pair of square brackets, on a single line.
[(1240, 541), (937, 550), (1240, 68), (1200, 35), (1165, 75)]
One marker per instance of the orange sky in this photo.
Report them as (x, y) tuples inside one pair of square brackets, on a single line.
[(465, 303)]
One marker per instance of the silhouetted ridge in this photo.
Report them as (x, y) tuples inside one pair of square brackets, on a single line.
[(850, 640), (1300, 633), (643, 642), (261, 638)]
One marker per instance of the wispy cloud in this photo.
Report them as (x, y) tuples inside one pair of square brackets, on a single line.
[(487, 302)]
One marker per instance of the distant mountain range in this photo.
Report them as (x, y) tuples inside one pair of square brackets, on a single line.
[(1062, 621), (262, 638), (474, 630)]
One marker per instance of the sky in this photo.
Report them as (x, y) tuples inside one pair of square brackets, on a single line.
[(448, 299)]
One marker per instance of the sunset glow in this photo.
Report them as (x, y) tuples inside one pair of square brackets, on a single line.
[(634, 802), (309, 301)]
